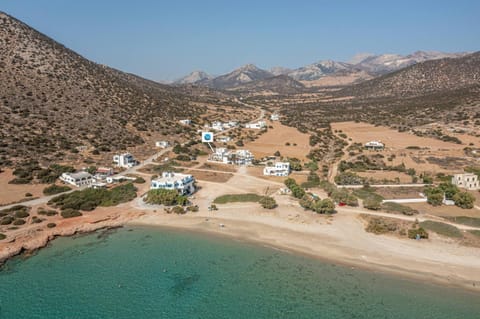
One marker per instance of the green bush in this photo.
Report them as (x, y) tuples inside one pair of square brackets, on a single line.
[(442, 229), (232, 198), (55, 189), (268, 202), (51, 225), (412, 233), (88, 199), (464, 200), (167, 197), (70, 212), (325, 206)]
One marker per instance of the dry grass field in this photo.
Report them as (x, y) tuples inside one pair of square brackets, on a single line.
[(275, 140), (10, 193), (364, 132)]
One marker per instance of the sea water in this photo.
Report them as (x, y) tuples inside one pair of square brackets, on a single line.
[(158, 273)]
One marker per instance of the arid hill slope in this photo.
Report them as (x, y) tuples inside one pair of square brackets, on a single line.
[(429, 77), (53, 100)]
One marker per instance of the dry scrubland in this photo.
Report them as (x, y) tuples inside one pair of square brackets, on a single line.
[(274, 140)]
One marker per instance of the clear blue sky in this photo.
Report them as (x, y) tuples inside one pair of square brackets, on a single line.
[(163, 40)]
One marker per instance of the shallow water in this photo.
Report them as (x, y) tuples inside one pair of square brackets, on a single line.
[(158, 273)]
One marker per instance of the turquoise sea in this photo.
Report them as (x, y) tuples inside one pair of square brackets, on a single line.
[(158, 273)]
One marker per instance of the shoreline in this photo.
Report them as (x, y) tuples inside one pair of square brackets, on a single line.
[(235, 230), (333, 255)]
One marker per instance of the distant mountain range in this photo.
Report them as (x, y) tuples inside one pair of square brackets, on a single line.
[(368, 65), (421, 79)]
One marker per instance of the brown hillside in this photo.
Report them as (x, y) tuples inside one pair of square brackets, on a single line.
[(53, 100)]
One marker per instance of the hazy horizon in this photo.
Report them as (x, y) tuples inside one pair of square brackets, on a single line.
[(165, 41)]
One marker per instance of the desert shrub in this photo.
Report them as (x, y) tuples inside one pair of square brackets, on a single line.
[(36, 220), (442, 228), (380, 226), (372, 203), (413, 232), (7, 220), (193, 209), (349, 178), (268, 202), (399, 208), (344, 196), (49, 212), (18, 222), (183, 158), (28, 194), (2, 236), (70, 212), (232, 198), (55, 189), (179, 210), (51, 225), (139, 180), (21, 214)]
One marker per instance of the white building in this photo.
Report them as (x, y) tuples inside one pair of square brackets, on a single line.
[(257, 125), (238, 157), (125, 160), (185, 122), (78, 179), (103, 172), (223, 139), (221, 155), (279, 169), (374, 145), (242, 157), (274, 117), (467, 180), (184, 184), (162, 144), (217, 126)]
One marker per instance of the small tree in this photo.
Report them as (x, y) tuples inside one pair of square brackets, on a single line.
[(325, 206), (464, 200), (268, 202)]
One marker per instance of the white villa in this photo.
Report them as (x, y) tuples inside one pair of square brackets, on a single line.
[(162, 144), (217, 126), (223, 139), (374, 145), (242, 157), (185, 122), (78, 179), (278, 169), (125, 160), (467, 180), (222, 155), (238, 157), (256, 126), (103, 172), (274, 117), (184, 184)]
